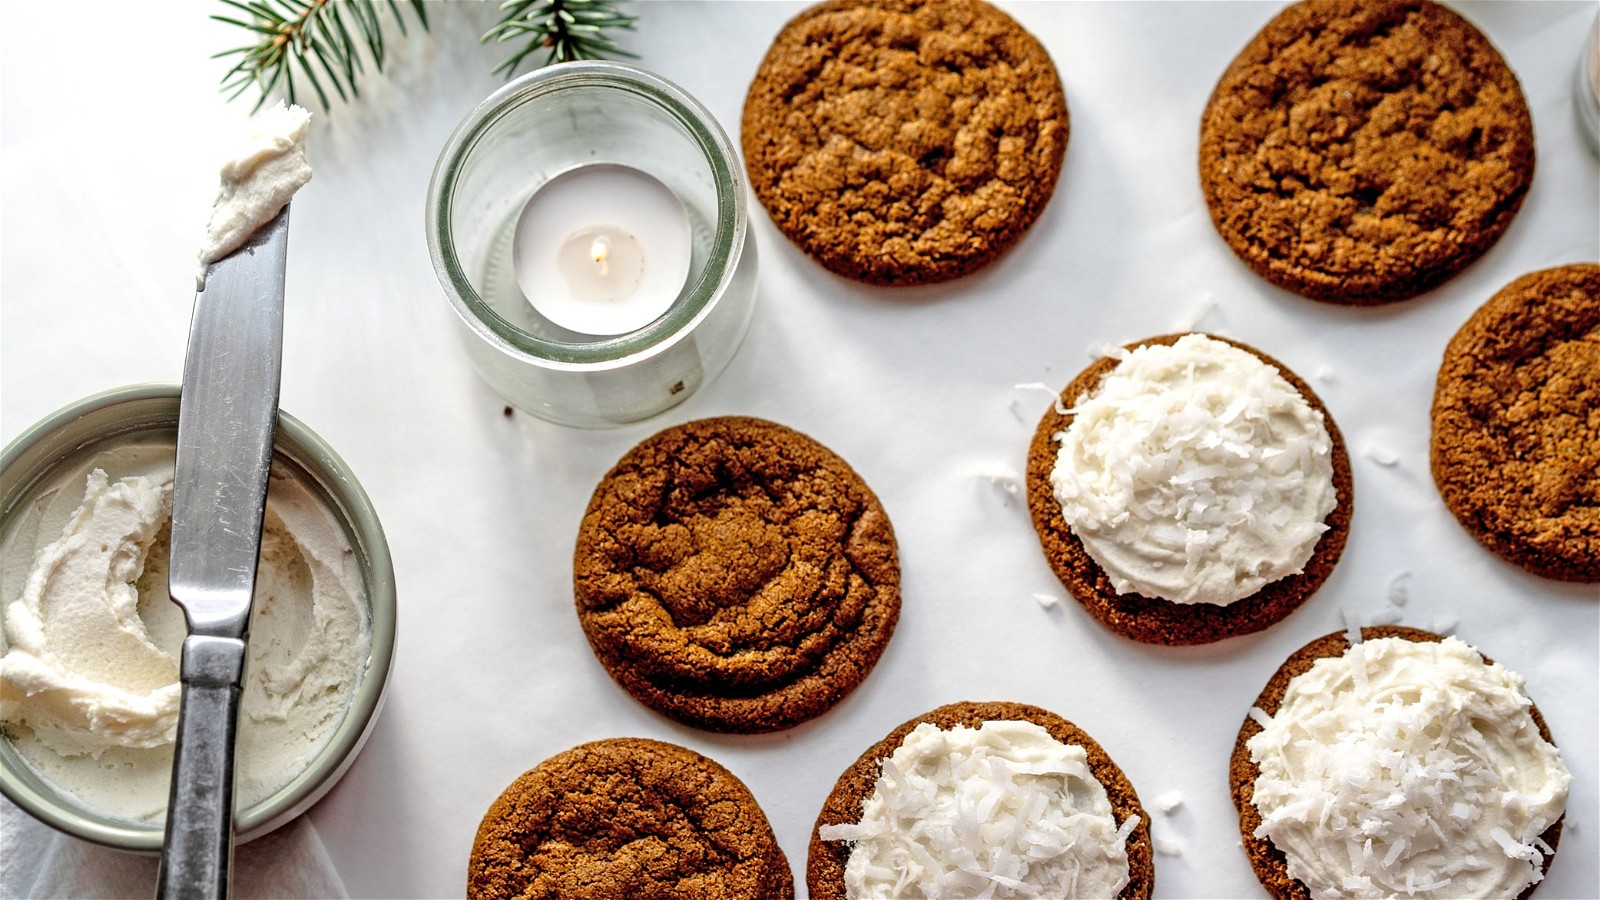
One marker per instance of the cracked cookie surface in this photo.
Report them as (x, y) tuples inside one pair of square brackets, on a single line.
[(904, 142), (1516, 423), (736, 575), (1361, 152), (627, 817)]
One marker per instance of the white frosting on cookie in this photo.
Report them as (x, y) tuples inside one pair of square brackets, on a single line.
[(1194, 472), (1408, 769), (1003, 810)]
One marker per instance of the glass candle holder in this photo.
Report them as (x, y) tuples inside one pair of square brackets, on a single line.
[(1586, 93), (538, 128)]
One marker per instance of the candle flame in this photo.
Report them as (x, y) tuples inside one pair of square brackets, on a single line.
[(599, 250)]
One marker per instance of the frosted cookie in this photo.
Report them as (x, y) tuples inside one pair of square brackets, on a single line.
[(1194, 489), (627, 817), (1359, 151), (1407, 765), (982, 796), (736, 575), (1516, 436), (904, 142)]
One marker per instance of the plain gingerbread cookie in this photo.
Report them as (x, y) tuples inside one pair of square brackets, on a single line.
[(904, 142), (624, 818), (736, 575), (1516, 423), (1363, 151)]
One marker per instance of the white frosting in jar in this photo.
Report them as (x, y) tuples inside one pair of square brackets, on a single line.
[(89, 689), (1003, 810), (1196, 473), (1411, 769), (263, 173)]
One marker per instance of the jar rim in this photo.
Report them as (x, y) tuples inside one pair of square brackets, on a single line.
[(686, 312), (119, 414)]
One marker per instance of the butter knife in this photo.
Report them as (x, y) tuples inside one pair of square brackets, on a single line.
[(227, 417)]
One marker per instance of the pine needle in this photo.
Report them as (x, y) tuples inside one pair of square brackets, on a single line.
[(567, 29), (308, 43)]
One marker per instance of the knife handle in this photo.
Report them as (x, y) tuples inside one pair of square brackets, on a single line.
[(197, 855)]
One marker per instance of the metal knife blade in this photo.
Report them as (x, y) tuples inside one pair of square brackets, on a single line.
[(227, 418)]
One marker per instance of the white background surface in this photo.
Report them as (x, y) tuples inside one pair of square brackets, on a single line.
[(109, 115)]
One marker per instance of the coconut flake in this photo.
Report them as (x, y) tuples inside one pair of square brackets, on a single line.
[(1260, 717), (1407, 768), (1352, 625), (1398, 592), (1055, 395), (1202, 308), (1386, 616), (1195, 472), (999, 811), (1169, 802), (1383, 456), (999, 476)]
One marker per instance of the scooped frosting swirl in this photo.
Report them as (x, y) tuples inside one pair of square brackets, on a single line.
[(1407, 769), (1195, 473)]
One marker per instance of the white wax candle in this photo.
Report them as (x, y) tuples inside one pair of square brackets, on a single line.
[(602, 249)]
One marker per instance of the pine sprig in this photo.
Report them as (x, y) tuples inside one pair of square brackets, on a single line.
[(309, 42), (568, 29)]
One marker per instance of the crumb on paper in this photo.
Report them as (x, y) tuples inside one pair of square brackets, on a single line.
[(1165, 847), (1398, 589), (1324, 374), (1380, 454), (1047, 600), (1202, 308), (1169, 802)]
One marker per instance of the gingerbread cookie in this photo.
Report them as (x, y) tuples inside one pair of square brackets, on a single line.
[(736, 575), (1186, 454), (1516, 433), (1363, 151), (1414, 696), (828, 857), (627, 817), (904, 142)]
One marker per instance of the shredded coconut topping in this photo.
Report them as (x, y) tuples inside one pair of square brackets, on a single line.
[(1196, 473), (1408, 769), (1003, 810)]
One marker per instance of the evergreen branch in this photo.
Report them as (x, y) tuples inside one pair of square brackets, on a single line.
[(568, 29), (288, 36)]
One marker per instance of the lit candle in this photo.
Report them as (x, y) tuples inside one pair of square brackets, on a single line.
[(602, 249)]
